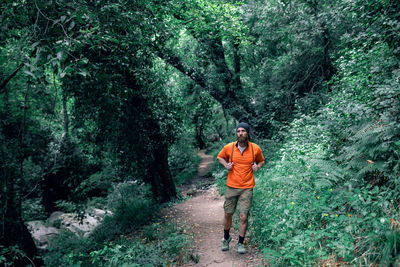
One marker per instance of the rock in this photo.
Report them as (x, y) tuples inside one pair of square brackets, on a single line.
[(41, 233), (214, 138), (58, 220), (98, 213), (191, 192), (73, 223), (55, 217)]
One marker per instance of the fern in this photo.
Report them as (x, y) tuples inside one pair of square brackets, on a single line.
[(375, 140)]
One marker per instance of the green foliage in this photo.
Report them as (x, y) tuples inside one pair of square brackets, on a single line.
[(32, 209), (97, 93), (66, 169), (304, 202), (68, 249), (131, 205), (291, 58), (164, 246), (331, 193), (183, 160), (68, 206), (10, 255), (209, 15), (156, 245), (113, 243), (220, 179), (182, 153), (99, 183)]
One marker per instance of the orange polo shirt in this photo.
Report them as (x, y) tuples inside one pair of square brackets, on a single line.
[(241, 175)]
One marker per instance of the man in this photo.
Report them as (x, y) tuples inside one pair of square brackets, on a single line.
[(242, 159)]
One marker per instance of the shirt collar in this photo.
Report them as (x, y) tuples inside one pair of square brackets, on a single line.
[(237, 144)]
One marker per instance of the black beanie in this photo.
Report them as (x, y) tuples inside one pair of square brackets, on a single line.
[(245, 126)]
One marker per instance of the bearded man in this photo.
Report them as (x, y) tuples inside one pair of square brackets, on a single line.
[(242, 158)]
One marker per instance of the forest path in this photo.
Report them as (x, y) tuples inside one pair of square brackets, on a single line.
[(201, 218)]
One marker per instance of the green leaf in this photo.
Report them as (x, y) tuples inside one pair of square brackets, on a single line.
[(71, 25), (30, 74)]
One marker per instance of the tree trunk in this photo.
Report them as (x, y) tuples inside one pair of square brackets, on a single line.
[(159, 175), (228, 131), (168, 190), (199, 137), (328, 69), (14, 231), (12, 155), (148, 143), (199, 125), (65, 116)]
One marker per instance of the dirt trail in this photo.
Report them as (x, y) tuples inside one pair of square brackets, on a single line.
[(201, 217)]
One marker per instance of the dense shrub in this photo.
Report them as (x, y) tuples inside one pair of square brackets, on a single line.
[(131, 205), (130, 235), (331, 193), (160, 245), (183, 159), (166, 246)]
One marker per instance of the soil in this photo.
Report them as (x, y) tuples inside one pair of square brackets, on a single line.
[(201, 216)]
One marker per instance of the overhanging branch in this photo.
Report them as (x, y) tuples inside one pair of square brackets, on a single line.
[(12, 75), (177, 63), (8, 79), (227, 101)]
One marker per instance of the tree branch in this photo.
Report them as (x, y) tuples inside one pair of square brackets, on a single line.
[(227, 101), (8, 79), (177, 63)]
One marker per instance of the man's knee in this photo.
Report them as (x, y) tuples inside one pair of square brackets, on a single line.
[(243, 217), (228, 215)]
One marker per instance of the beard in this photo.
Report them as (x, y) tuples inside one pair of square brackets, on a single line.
[(242, 139)]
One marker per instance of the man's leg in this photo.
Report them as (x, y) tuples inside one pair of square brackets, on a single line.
[(242, 232), (242, 225), (231, 199), (227, 224), (228, 221), (245, 203)]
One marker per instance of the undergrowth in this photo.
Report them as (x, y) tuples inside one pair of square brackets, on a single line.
[(156, 244), (132, 235), (331, 194), (183, 160)]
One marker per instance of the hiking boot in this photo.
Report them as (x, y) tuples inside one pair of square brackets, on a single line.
[(241, 249), (225, 243)]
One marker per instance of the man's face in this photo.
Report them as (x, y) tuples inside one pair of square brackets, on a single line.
[(241, 134)]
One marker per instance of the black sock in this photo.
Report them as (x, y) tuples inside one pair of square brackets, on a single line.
[(226, 234), (241, 239)]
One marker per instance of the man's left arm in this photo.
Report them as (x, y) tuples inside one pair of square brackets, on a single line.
[(257, 166), (259, 161)]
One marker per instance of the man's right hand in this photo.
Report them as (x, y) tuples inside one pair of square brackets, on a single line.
[(229, 166)]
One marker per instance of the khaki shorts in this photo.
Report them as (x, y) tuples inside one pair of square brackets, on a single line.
[(232, 195)]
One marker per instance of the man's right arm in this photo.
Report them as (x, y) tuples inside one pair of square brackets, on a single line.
[(223, 162)]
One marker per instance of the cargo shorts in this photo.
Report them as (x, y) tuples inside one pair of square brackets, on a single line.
[(233, 195)]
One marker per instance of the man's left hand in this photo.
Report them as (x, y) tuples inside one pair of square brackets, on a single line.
[(255, 167)]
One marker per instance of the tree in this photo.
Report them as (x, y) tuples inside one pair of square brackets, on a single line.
[(215, 31), (52, 45), (20, 134), (115, 87)]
